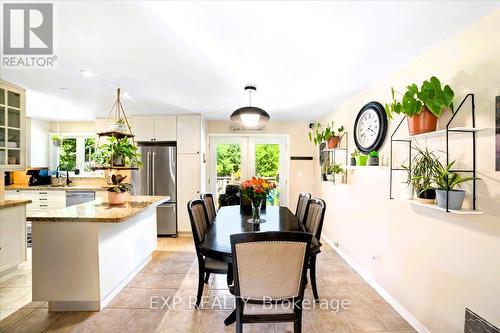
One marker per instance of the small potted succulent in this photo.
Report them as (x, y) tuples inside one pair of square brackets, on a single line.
[(116, 193), (328, 135), (446, 181), (56, 139), (354, 154), (338, 173), (373, 159), (361, 159)]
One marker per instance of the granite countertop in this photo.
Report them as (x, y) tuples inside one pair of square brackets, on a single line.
[(97, 211), (59, 188), (13, 203)]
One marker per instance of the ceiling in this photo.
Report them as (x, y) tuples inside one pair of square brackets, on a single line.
[(306, 58)]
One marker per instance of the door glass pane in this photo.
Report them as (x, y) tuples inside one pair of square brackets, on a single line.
[(14, 138), (2, 137), (228, 166), (14, 118), (2, 156), (2, 116), (2, 96), (14, 157), (267, 165), (89, 152), (14, 99), (67, 154)]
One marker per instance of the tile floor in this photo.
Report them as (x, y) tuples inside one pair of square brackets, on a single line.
[(173, 272)]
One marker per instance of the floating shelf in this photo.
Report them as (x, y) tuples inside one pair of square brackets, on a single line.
[(118, 135), (436, 207), (443, 132), (114, 168), (369, 167), (335, 149)]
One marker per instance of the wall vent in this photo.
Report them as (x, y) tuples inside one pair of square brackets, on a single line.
[(246, 130), (476, 324)]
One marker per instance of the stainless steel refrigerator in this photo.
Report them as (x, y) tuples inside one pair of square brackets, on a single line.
[(158, 176)]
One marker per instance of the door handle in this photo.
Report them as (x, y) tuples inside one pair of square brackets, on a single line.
[(147, 172), (153, 168)]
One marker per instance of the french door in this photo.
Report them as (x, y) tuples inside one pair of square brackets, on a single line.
[(235, 158)]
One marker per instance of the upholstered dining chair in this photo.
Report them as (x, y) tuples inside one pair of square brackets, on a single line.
[(269, 270), (208, 198), (314, 216), (300, 212), (199, 225)]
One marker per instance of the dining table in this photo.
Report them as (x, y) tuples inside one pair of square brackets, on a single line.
[(232, 220)]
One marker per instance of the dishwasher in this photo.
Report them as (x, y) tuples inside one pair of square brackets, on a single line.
[(78, 197)]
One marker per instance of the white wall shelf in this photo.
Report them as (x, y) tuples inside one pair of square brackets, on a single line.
[(436, 207), (443, 132), (366, 167)]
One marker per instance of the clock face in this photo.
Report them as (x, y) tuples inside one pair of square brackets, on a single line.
[(370, 127)]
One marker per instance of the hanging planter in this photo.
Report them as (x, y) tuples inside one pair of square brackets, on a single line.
[(56, 139)]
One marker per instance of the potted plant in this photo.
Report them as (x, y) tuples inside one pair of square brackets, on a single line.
[(361, 159), (329, 173), (116, 193), (118, 126), (422, 107), (257, 190), (354, 154), (328, 135), (338, 173), (446, 181), (118, 152), (406, 187), (373, 159), (422, 175), (56, 139)]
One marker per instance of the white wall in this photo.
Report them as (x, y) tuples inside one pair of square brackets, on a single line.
[(432, 263), (37, 150)]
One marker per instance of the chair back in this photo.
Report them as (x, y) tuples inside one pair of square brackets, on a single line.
[(208, 198), (300, 212), (315, 214), (199, 220), (270, 266)]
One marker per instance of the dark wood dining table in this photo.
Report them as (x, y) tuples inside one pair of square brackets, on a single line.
[(230, 220)]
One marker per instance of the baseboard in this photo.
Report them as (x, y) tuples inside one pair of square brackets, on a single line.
[(418, 326)]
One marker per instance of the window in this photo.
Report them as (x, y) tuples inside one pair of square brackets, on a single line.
[(76, 152)]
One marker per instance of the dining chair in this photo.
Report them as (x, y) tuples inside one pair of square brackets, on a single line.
[(302, 205), (199, 224), (314, 216), (269, 276), (208, 198)]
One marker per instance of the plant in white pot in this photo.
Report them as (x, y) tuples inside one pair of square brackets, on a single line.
[(116, 193), (56, 139), (338, 173), (329, 173), (446, 181), (406, 187)]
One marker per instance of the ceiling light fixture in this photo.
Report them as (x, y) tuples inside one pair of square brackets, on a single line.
[(250, 116), (86, 73)]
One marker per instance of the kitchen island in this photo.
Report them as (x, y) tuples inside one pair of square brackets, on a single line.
[(83, 255)]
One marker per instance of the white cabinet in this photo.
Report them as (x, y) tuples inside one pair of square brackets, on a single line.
[(45, 199), (37, 138), (188, 172), (155, 128), (188, 133), (12, 238), (183, 197), (12, 195)]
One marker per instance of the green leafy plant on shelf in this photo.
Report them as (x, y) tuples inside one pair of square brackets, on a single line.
[(318, 134), (337, 169), (422, 173), (118, 152), (373, 153), (355, 153), (56, 139), (447, 180)]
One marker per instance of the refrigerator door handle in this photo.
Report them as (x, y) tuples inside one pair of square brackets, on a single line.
[(148, 180), (153, 168)]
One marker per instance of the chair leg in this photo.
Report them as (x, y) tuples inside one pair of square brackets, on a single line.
[(239, 322), (207, 276), (312, 273), (201, 269), (229, 276)]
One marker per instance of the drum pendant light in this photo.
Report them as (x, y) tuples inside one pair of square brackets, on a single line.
[(250, 116)]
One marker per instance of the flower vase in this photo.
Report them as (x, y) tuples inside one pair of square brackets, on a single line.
[(256, 207)]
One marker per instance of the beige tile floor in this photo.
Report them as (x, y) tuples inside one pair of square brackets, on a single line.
[(173, 272)]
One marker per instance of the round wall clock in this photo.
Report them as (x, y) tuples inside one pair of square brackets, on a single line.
[(370, 127)]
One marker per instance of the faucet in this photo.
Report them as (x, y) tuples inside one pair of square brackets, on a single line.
[(67, 178), (57, 170)]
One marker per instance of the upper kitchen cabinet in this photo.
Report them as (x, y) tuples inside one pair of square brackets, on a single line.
[(188, 133), (12, 126), (155, 128)]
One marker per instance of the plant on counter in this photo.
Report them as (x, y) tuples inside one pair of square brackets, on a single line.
[(373, 159), (328, 134), (354, 154), (56, 139), (116, 193), (422, 174), (118, 152), (338, 173), (446, 180), (422, 107)]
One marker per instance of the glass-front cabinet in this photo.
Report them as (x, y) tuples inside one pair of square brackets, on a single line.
[(12, 126)]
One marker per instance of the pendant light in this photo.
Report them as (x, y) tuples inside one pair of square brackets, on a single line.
[(250, 116)]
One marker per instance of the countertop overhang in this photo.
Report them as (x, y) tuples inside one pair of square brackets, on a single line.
[(57, 188), (98, 211), (13, 203)]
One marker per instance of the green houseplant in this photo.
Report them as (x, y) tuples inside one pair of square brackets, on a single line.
[(422, 107), (56, 139), (373, 159), (361, 159), (338, 173), (446, 180), (118, 152), (354, 154), (116, 193), (328, 134), (329, 173), (422, 174)]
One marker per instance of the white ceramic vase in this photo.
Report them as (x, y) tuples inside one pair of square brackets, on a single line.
[(405, 191)]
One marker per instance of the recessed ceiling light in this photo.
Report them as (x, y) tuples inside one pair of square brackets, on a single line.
[(86, 73)]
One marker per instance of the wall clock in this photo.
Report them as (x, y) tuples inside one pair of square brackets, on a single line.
[(370, 127)]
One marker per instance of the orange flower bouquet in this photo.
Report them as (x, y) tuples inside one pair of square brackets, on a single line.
[(257, 190)]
